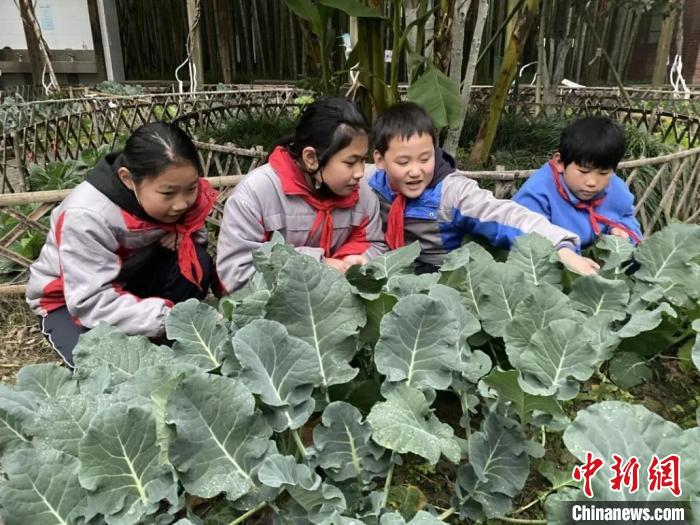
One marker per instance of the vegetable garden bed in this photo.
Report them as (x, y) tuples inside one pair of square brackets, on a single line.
[(375, 397)]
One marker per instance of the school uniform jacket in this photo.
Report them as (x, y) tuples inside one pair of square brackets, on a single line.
[(92, 248), (616, 205), (453, 205), (260, 205)]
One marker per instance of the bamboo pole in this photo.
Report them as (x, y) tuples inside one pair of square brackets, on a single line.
[(487, 132), (195, 40)]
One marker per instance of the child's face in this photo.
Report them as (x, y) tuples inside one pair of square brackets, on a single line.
[(409, 164), (585, 182), (167, 196), (344, 170)]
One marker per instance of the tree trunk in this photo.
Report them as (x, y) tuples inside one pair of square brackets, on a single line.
[(509, 67), (629, 45), (38, 50), (453, 135), (223, 37), (257, 38), (621, 28), (97, 40), (245, 40), (194, 19), (410, 12), (579, 49), (663, 48), (541, 58), (430, 31), (292, 41), (459, 23), (600, 42), (618, 80), (558, 52)]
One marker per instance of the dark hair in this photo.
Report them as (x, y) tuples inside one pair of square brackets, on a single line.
[(156, 146), (328, 125), (402, 120), (592, 142)]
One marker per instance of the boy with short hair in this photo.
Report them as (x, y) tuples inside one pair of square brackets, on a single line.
[(423, 197), (578, 188)]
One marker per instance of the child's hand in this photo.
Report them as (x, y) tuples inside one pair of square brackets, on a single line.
[(356, 259), (339, 264), (577, 263), (619, 233), (170, 241)]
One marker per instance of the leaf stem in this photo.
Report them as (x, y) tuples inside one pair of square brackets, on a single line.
[(517, 520), (248, 514), (449, 512), (544, 437), (539, 499), (387, 483), (299, 442)]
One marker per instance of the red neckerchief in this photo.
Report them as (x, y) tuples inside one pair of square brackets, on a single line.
[(589, 206), (294, 183), (193, 221), (394, 225)]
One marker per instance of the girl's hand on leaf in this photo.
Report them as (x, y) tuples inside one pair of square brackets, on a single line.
[(576, 263), (339, 264), (355, 259), (170, 241)]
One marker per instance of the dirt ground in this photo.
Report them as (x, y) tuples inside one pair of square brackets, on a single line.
[(21, 341)]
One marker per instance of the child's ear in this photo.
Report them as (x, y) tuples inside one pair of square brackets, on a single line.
[(556, 158), (378, 160), (309, 159), (125, 176)]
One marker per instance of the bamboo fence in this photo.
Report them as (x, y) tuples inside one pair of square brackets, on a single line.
[(671, 183)]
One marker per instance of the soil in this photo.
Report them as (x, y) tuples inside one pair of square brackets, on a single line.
[(21, 341)]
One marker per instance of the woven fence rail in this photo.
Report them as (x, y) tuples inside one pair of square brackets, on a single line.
[(55, 130), (46, 131)]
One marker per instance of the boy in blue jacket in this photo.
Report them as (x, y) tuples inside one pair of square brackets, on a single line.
[(423, 197), (578, 188)]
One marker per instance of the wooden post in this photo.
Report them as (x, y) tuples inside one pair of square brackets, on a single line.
[(97, 40), (195, 40)]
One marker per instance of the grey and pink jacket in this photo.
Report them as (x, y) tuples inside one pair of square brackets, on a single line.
[(452, 206), (94, 245), (276, 197)]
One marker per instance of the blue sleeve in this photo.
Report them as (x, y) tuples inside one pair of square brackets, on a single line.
[(534, 200), (628, 218)]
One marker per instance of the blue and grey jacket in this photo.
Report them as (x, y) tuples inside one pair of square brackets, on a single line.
[(453, 205)]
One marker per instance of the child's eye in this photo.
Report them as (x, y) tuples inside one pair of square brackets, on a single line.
[(402, 163), (166, 193)]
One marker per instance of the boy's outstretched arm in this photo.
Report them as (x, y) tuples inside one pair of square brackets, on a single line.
[(500, 221)]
